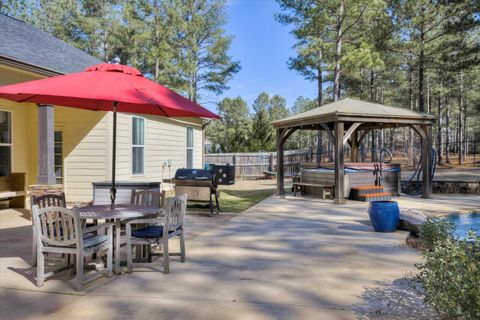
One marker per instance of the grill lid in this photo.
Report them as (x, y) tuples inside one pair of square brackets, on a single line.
[(193, 174)]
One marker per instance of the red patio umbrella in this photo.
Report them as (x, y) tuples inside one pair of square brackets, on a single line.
[(107, 87)]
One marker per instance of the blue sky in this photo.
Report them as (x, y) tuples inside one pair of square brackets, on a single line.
[(263, 46)]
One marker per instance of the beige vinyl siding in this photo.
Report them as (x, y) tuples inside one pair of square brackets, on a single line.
[(84, 150), (165, 138), (124, 143)]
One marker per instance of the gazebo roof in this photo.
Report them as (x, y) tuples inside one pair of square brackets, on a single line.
[(351, 110)]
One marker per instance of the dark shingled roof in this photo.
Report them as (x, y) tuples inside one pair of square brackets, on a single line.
[(24, 43)]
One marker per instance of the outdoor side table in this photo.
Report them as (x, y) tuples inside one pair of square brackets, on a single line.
[(118, 213)]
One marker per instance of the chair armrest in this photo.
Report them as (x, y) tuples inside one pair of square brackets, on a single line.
[(143, 221), (98, 227)]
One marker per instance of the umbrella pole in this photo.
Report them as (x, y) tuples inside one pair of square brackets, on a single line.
[(113, 189)]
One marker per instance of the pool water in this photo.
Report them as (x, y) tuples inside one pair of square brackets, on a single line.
[(465, 222)]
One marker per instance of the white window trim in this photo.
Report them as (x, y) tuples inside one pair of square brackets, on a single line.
[(190, 148), (135, 145), (11, 138)]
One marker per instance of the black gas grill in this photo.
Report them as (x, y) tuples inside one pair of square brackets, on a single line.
[(199, 185), (202, 185)]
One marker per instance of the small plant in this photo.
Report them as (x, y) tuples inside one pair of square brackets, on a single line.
[(451, 271), (435, 230)]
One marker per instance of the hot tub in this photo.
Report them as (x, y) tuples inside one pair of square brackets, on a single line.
[(356, 174)]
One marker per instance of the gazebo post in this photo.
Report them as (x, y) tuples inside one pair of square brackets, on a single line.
[(339, 164), (354, 146), (280, 162), (427, 161)]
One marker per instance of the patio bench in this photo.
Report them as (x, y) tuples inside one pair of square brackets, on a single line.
[(12, 189), (327, 189)]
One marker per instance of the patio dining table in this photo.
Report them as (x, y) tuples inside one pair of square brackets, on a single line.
[(118, 213)]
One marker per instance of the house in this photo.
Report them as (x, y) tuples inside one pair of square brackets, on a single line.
[(82, 139)]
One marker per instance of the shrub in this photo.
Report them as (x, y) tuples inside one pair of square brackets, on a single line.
[(451, 272), (435, 230)]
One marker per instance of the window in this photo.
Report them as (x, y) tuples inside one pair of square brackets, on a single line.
[(189, 147), (5, 143), (138, 145), (58, 156)]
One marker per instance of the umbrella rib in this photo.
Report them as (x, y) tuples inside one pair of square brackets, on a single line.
[(99, 104), (30, 97), (160, 108), (156, 105)]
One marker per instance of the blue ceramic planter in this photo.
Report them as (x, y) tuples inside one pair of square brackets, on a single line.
[(384, 215)]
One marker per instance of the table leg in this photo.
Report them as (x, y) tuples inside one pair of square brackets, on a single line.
[(118, 231)]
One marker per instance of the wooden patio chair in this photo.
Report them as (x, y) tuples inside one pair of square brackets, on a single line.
[(46, 200), (59, 230), (147, 198), (172, 221)]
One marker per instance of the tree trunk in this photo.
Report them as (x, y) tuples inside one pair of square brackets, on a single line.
[(465, 136), (319, 82), (362, 88), (461, 123), (338, 53), (156, 40), (372, 134), (331, 150), (372, 85), (447, 130), (410, 86), (465, 128), (381, 138), (373, 152), (319, 103), (392, 140), (421, 99), (319, 146), (157, 69), (421, 64), (429, 96), (440, 131)]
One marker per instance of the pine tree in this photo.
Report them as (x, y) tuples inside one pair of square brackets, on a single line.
[(148, 40), (301, 139), (438, 35), (307, 18), (232, 131), (262, 137), (201, 47), (278, 108)]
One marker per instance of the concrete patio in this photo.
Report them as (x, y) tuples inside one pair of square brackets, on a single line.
[(284, 258)]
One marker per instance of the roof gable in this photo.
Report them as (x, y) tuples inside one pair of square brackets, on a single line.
[(353, 108), (24, 43)]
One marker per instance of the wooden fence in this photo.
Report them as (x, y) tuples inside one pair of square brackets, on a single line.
[(253, 165)]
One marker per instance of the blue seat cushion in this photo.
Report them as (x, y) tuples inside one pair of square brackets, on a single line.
[(149, 232), (94, 241)]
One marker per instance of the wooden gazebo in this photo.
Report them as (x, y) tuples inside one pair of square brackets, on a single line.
[(349, 121)]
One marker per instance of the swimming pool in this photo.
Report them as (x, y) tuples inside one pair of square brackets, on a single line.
[(465, 222)]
